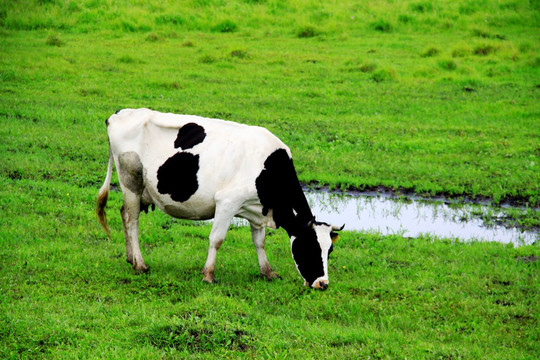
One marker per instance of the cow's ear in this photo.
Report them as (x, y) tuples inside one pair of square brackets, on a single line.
[(311, 222), (334, 236)]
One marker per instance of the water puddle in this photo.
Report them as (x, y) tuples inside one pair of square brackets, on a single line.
[(412, 218)]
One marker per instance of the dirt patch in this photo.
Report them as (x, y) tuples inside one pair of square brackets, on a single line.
[(528, 259)]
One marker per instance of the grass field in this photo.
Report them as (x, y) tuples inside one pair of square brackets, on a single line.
[(438, 99), (428, 97), (68, 293)]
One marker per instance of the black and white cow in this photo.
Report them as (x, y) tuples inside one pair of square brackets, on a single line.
[(197, 168)]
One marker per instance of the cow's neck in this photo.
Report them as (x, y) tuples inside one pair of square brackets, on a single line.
[(294, 219), (295, 226), (278, 189)]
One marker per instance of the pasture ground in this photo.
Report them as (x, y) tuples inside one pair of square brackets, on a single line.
[(431, 98), (67, 292)]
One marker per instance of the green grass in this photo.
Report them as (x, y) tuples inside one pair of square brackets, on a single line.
[(67, 292), (434, 98), (459, 119), (360, 106)]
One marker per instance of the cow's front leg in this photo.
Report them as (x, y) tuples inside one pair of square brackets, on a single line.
[(217, 235), (225, 210), (130, 220), (258, 235)]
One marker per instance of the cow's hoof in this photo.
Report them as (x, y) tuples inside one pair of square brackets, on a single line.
[(209, 278), (140, 269), (271, 276), (209, 281)]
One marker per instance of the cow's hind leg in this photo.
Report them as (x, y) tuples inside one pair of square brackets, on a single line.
[(258, 235), (130, 173), (130, 220)]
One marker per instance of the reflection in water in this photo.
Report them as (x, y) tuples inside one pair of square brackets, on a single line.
[(385, 215), (411, 219)]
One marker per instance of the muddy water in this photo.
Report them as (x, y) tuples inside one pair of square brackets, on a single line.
[(385, 215)]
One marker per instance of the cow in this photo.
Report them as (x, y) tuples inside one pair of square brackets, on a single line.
[(197, 168)]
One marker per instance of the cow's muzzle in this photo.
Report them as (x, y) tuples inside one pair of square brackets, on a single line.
[(321, 284)]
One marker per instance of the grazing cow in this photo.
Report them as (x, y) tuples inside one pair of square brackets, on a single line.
[(197, 168)]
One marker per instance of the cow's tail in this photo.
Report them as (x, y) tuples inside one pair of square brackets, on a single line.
[(103, 195)]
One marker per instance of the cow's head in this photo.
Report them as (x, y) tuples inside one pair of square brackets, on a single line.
[(311, 246)]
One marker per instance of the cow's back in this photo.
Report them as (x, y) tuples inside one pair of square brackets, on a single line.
[(187, 160)]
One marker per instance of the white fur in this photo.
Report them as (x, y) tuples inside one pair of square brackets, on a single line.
[(325, 242)]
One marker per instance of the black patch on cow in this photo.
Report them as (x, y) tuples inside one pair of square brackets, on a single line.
[(189, 135), (307, 254), (278, 189), (178, 176), (130, 171)]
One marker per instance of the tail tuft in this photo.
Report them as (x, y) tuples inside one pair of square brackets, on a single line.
[(103, 196)]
